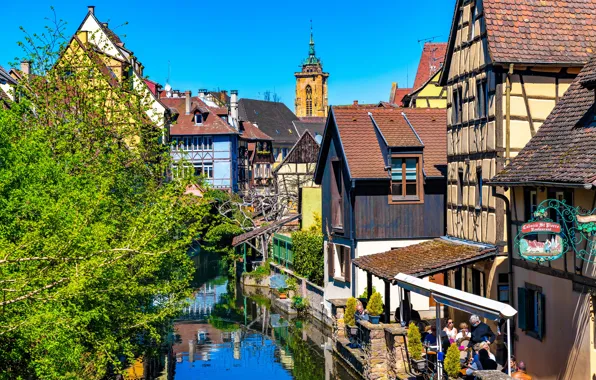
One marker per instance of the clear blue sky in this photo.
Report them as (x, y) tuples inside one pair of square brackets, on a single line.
[(254, 46)]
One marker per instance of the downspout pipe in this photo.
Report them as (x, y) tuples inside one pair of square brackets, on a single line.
[(509, 242), (508, 115)]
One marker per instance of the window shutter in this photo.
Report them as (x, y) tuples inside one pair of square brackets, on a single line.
[(541, 316), (330, 260), (348, 264), (521, 308)]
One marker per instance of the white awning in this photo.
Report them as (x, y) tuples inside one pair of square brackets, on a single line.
[(457, 299)]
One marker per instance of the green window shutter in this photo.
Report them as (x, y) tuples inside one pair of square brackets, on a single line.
[(521, 308), (541, 316)]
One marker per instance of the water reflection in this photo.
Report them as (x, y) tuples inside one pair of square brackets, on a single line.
[(227, 332)]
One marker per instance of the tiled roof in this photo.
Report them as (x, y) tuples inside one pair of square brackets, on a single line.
[(5, 76), (273, 118), (424, 259), (564, 147), (313, 119), (184, 124), (251, 132), (541, 31), (360, 144), (431, 61), (399, 94), (395, 129), (313, 128), (431, 126), (424, 127)]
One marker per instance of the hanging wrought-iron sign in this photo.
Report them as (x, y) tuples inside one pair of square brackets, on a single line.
[(541, 241), (555, 229)]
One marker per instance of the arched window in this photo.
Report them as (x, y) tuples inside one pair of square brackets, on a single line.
[(308, 101)]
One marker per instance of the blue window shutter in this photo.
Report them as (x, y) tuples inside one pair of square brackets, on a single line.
[(541, 316), (521, 308)]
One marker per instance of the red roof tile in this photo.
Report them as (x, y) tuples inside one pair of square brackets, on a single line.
[(423, 127), (360, 144), (431, 126), (537, 31), (252, 132), (399, 94), (431, 61), (184, 124)]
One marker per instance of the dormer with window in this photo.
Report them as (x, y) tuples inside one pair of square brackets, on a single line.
[(407, 182), (198, 118)]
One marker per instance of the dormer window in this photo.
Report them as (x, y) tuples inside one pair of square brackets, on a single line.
[(406, 179), (198, 119)]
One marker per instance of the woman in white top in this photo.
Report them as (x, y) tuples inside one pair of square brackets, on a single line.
[(450, 330), (464, 332)]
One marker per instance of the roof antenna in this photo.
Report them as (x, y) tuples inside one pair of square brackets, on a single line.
[(168, 88)]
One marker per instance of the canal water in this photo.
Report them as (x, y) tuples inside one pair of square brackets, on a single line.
[(232, 333)]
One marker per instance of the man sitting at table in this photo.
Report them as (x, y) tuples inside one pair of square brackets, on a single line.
[(431, 339)]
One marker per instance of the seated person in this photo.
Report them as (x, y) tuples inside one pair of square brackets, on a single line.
[(486, 346), (473, 363), (464, 332), (445, 342), (521, 372), (361, 314), (485, 360), (414, 315), (431, 338)]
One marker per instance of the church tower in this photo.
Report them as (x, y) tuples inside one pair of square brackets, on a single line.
[(311, 86)]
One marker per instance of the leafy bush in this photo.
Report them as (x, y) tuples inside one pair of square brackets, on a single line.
[(375, 304), (349, 318), (261, 271), (291, 283), (308, 255), (452, 363), (365, 292), (299, 303), (414, 342)]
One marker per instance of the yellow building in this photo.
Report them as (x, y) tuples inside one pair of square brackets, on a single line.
[(311, 86)]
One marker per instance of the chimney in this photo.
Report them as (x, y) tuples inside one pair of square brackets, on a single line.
[(202, 93), (187, 98), (26, 67), (234, 105), (355, 102), (105, 24), (91, 9)]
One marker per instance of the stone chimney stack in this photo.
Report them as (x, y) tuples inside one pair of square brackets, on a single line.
[(234, 105), (26, 67), (187, 99), (202, 93), (355, 102), (91, 9)]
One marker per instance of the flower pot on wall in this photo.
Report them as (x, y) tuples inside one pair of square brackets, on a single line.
[(374, 319)]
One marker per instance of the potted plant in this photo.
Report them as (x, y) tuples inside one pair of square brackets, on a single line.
[(375, 307), (452, 364), (349, 316), (283, 293), (415, 346), (291, 285)]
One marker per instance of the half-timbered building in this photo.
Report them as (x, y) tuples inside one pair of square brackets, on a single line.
[(554, 179), (201, 141), (507, 64), (382, 173)]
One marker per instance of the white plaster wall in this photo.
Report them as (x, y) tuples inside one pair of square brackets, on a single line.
[(419, 302), (7, 89)]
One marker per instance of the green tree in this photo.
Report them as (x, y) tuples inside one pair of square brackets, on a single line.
[(414, 342), (452, 363), (375, 304), (349, 314), (308, 252), (93, 238)]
